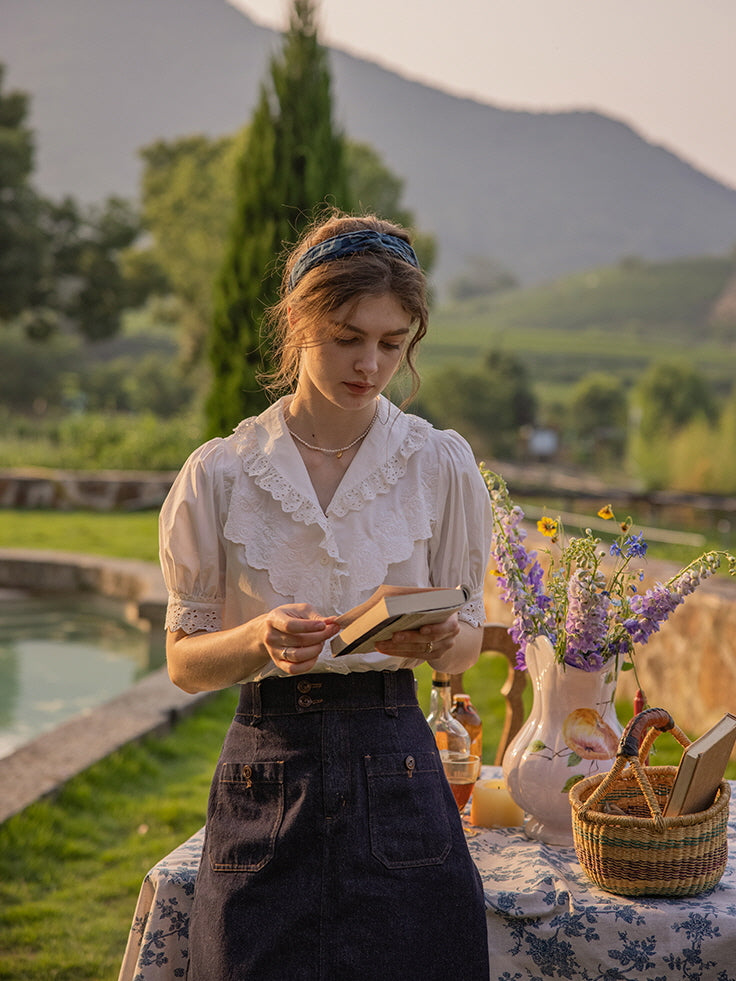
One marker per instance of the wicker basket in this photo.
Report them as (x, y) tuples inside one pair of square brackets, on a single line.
[(640, 852)]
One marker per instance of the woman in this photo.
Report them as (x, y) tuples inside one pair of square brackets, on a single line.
[(333, 845)]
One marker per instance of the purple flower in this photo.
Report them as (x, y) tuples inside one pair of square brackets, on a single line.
[(586, 623), (652, 608), (589, 614), (635, 546), (592, 661)]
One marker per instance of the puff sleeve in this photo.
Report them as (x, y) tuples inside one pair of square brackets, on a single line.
[(191, 542), (461, 539)]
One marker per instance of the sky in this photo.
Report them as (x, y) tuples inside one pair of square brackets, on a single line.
[(665, 67)]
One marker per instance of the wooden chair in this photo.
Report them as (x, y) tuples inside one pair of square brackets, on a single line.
[(496, 640)]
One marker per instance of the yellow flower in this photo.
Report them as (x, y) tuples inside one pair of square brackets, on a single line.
[(606, 512), (548, 527)]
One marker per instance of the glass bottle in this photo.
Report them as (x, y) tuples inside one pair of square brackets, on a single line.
[(449, 734), (467, 715)]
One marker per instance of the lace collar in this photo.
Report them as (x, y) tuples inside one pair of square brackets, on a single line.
[(270, 456)]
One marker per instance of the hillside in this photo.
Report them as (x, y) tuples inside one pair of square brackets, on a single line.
[(543, 193), (616, 319)]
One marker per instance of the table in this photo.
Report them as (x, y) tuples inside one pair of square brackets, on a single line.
[(546, 920)]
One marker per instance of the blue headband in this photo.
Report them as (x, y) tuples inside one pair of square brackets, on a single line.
[(351, 243)]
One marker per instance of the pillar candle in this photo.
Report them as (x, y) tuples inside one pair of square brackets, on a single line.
[(492, 806)]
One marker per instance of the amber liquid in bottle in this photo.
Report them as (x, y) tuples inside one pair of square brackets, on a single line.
[(452, 740), (467, 715)]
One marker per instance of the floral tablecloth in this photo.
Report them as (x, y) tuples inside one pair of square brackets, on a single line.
[(546, 920)]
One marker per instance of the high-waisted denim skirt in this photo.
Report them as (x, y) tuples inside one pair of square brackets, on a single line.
[(334, 850)]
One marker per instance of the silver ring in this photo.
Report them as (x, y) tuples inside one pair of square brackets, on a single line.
[(429, 648), (283, 655)]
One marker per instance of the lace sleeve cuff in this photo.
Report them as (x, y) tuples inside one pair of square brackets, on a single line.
[(190, 616), (473, 612)]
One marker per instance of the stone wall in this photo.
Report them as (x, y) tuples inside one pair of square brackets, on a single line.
[(106, 490), (138, 585)]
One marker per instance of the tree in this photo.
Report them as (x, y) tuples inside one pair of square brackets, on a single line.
[(21, 244), (293, 161), (56, 259), (488, 406), (598, 416), (669, 395), (670, 398), (187, 201), (84, 281)]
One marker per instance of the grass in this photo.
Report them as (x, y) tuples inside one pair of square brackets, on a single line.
[(117, 534), (71, 868)]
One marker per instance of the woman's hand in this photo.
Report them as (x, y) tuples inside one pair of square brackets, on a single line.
[(426, 644), (452, 646), (295, 635), (290, 636)]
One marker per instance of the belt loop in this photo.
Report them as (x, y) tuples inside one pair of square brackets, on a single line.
[(389, 693), (256, 710)]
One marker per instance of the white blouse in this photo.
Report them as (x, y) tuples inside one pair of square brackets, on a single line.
[(242, 531)]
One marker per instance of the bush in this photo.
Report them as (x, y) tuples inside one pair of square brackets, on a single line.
[(95, 441)]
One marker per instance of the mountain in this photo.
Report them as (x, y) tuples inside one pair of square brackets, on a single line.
[(542, 193)]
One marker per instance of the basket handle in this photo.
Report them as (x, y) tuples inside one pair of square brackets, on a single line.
[(633, 747), (631, 742)]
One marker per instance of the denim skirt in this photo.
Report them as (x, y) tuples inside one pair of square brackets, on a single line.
[(334, 849)]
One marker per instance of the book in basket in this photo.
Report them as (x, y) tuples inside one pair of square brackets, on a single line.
[(386, 612), (701, 769)]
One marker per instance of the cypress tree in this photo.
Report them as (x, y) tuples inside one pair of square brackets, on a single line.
[(293, 162)]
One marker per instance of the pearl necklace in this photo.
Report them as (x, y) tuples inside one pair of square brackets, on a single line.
[(338, 452)]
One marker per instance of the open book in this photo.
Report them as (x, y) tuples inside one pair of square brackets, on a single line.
[(701, 769), (391, 609)]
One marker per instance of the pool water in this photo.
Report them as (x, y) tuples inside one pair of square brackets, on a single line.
[(61, 656)]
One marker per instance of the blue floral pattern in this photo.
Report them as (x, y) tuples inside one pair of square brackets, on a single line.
[(158, 944), (546, 920)]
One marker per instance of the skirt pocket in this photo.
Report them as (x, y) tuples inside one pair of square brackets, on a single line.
[(245, 816), (407, 810)]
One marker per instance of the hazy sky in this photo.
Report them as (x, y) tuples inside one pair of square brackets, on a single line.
[(666, 67)]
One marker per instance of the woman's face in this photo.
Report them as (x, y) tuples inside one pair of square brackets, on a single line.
[(350, 369)]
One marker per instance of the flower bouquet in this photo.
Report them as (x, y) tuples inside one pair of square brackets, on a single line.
[(575, 625), (590, 608)]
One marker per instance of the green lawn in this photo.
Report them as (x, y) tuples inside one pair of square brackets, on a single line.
[(118, 534), (70, 868)]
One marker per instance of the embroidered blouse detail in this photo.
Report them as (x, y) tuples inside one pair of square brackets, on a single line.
[(288, 554), (183, 614), (242, 530)]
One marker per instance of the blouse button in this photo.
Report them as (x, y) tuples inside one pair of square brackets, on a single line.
[(325, 560)]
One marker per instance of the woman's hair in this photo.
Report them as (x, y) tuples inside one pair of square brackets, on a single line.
[(302, 315)]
